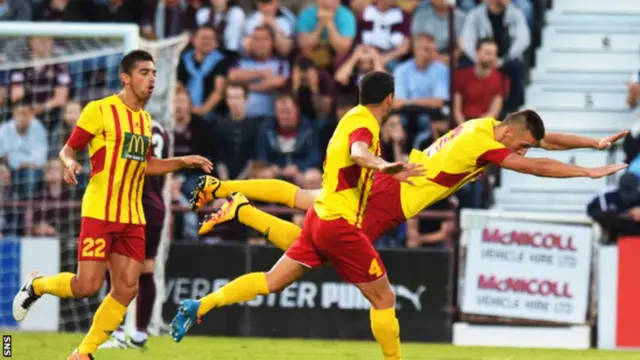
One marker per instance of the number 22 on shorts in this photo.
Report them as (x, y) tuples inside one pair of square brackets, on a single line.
[(93, 247), (374, 268)]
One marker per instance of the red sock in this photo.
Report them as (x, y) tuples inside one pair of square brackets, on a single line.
[(146, 299)]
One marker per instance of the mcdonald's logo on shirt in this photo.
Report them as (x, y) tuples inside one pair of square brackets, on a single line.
[(135, 147)]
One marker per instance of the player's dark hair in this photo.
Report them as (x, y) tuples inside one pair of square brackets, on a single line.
[(485, 41), (375, 87), (206, 27), (530, 120), (129, 61)]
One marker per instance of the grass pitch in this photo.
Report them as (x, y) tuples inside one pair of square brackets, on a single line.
[(37, 346)]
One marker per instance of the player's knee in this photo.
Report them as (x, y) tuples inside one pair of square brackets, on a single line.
[(125, 289), (380, 295), (274, 283), (87, 285)]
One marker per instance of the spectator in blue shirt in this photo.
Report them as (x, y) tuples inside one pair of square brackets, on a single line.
[(262, 72), (23, 149), (325, 30), (289, 142), (422, 82)]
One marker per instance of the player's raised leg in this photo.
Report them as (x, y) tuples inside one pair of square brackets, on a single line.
[(300, 257), (93, 243), (244, 288), (280, 232), (265, 190)]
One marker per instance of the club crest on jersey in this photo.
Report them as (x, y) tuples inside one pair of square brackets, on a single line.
[(135, 147)]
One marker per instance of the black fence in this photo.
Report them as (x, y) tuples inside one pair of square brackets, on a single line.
[(318, 306)]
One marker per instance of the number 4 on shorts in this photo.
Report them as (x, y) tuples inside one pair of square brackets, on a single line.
[(374, 268)]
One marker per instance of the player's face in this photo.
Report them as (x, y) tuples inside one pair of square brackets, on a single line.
[(388, 106), (518, 140), (142, 79)]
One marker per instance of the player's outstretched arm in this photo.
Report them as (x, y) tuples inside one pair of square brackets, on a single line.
[(361, 155), (164, 166), (546, 167), (559, 141)]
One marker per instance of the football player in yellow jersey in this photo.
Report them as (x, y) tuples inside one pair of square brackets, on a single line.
[(333, 227), (117, 131), (463, 154)]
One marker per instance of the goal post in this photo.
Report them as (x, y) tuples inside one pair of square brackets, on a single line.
[(91, 54), (128, 33)]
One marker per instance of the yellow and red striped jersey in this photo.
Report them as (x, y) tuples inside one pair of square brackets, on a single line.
[(452, 161), (118, 140), (345, 185)]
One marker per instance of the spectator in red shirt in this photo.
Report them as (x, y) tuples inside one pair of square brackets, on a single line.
[(480, 90)]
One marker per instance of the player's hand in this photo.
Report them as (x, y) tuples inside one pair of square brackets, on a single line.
[(602, 171), (408, 171), (605, 143), (197, 161), (70, 172)]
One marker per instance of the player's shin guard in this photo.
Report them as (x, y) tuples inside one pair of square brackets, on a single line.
[(281, 233), (106, 320), (244, 288), (386, 330), (267, 190), (57, 285)]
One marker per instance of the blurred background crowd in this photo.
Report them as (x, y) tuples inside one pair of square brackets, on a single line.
[(262, 86)]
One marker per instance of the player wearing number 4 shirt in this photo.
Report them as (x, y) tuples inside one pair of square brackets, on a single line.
[(332, 230), (452, 161), (117, 131)]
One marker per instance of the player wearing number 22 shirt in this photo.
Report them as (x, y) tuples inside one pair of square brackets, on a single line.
[(117, 131)]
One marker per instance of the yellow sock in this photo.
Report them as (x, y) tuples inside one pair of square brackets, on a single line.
[(272, 191), (281, 233), (106, 319), (58, 285), (244, 288), (386, 330)]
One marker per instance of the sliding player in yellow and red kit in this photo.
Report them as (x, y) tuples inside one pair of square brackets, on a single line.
[(333, 227), (451, 161), (117, 131)]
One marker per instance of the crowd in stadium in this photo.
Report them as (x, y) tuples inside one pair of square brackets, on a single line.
[(262, 86)]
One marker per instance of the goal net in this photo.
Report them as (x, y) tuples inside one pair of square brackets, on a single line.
[(48, 72)]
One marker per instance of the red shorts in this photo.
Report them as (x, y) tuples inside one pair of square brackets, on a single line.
[(384, 207), (343, 245), (99, 238)]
